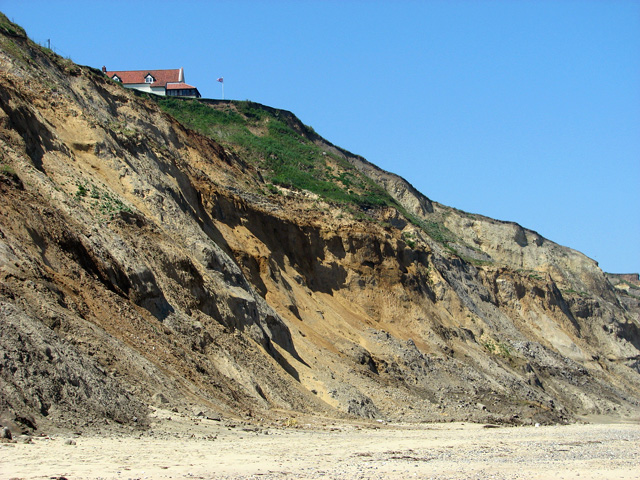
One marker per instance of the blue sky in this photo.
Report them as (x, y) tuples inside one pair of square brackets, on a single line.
[(527, 111)]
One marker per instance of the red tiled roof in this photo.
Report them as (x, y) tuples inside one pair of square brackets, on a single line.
[(176, 86), (162, 77)]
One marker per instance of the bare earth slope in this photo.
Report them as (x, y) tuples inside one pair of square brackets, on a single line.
[(142, 263)]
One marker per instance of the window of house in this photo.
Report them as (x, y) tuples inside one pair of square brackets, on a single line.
[(148, 79), (116, 78)]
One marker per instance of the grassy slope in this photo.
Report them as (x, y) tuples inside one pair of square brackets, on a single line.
[(288, 158), (284, 156)]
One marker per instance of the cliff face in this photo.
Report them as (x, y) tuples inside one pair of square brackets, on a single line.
[(142, 263)]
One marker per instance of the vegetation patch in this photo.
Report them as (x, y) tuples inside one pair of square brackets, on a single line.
[(436, 230), (7, 170), (473, 261), (284, 156), (409, 239), (121, 127), (499, 349), (82, 191), (531, 274), (287, 158), (9, 28), (102, 201)]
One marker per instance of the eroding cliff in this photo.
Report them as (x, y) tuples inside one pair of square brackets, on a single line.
[(143, 263)]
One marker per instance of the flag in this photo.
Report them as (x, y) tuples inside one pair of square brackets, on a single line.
[(221, 80)]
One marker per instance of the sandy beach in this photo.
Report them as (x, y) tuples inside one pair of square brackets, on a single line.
[(180, 446)]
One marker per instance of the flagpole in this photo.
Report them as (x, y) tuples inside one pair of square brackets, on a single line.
[(221, 80)]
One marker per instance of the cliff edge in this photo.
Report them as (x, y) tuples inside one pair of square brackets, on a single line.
[(221, 257)]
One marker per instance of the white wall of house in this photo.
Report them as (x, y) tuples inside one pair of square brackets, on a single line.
[(143, 87), (146, 87)]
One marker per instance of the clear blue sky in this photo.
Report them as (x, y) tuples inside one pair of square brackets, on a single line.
[(526, 111)]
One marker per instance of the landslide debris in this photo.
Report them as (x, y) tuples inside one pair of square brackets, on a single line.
[(219, 257)]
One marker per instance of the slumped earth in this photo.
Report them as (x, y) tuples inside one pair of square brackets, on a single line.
[(296, 311)]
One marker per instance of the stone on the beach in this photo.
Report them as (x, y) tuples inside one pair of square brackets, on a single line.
[(159, 398)]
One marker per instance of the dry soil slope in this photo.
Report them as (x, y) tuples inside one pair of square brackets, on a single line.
[(141, 263)]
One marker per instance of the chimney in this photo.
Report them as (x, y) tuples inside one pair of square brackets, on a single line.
[(104, 69)]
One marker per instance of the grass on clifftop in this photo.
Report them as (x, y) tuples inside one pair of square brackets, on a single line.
[(275, 143), (282, 154), (10, 28)]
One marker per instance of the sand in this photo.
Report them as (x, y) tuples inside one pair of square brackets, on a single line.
[(189, 447)]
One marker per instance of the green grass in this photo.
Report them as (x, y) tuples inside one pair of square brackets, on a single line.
[(532, 274), (497, 348), (409, 239), (101, 201), (9, 28), (436, 230), (261, 136), (285, 157), (82, 191), (7, 170), (15, 42), (122, 128), (473, 261)]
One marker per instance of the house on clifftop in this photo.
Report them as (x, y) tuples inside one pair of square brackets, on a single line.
[(161, 82)]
